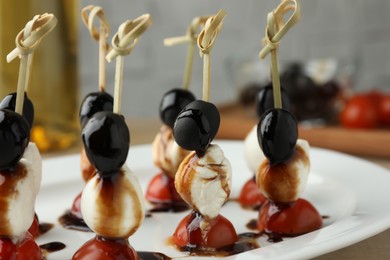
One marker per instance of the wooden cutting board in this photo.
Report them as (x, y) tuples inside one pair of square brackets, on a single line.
[(235, 124)]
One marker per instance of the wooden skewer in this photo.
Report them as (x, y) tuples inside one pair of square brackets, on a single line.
[(206, 41), (123, 43), (190, 38), (275, 30), (27, 41), (100, 35)]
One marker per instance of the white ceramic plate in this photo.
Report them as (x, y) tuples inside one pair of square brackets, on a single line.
[(354, 194)]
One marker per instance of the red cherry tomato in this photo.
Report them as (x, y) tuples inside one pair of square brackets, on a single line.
[(34, 228), (360, 112), (161, 189), (104, 249), (374, 95), (250, 195), (26, 250), (384, 110), (296, 219), (220, 233), (76, 206), (7, 249)]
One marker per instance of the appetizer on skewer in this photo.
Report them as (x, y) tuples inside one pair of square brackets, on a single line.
[(112, 201), (100, 100), (250, 196), (92, 103), (20, 161), (283, 174), (167, 155), (203, 179)]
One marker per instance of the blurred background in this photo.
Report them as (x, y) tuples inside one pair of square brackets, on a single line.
[(339, 48), (355, 31)]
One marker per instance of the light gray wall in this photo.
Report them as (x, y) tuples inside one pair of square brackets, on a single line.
[(353, 30)]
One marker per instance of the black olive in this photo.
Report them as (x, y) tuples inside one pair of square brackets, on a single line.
[(9, 102), (298, 85), (265, 100), (172, 103), (106, 140), (14, 134), (196, 126), (277, 134), (95, 102)]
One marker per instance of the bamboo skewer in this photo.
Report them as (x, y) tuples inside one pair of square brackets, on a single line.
[(27, 42), (275, 30), (190, 38), (123, 43), (100, 35), (205, 42)]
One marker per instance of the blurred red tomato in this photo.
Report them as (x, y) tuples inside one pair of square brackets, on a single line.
[(360, 112), (384, 110), (374, 95)]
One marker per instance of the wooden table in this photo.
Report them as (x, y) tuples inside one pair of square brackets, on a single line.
[(143, 131)]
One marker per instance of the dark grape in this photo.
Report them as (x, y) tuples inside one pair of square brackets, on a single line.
[(9, 102), (14, 134), (277, 134), (95, 102), (265, 100), (172, 103), (196, 126), (106, 140)]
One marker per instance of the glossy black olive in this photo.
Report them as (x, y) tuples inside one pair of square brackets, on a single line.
[(14, 134), (95, 102), (196, 126), (277, 134), (9, 102), (172, 103), (106, 140), (265, 100)]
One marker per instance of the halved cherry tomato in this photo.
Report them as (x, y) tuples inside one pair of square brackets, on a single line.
[(360, 112), (161, 189), (295, 219), (76, 206), (220, 232), (34, 228), (99, 248), (26, 250), (7, 249), (250, 195)]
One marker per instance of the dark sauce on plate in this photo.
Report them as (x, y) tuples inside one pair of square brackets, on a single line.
[(70, 221)]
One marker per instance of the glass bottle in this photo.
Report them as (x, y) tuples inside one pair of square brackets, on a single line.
[(53, 86)]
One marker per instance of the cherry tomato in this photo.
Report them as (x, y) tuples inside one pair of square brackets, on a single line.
[(34, 228), (374, 95), (360, 112), (250, 195), (7, 249), (295, 219), (76, 206), (161, 189), (384, 110), (26, 250), (106, 249), (220, 233)]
